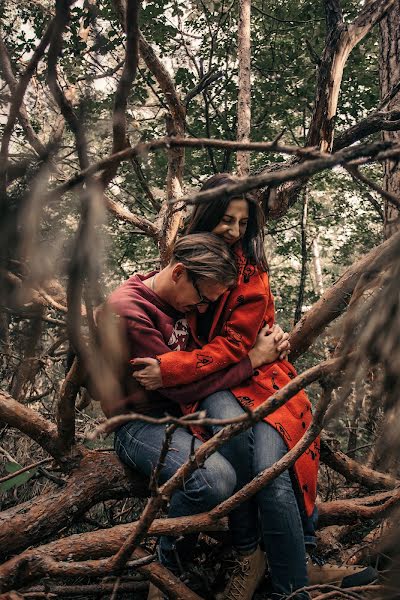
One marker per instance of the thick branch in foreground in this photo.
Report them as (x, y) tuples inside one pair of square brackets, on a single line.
[(99, 476), (103, 543), (32, 424)]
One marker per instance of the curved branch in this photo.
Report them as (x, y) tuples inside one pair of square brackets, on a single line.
[(18, 97), (336, 299), (354, 471), (11, 81), (32, 424), (348, 511), (373, 123)]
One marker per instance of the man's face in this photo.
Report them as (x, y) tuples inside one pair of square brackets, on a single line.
[(190, 293)]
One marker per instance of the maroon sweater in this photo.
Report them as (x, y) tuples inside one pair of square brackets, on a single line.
[(151, 327)]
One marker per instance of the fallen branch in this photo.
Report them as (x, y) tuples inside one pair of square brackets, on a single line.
[(354, 471)]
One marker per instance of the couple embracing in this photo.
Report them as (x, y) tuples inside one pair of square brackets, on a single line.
[(200, 334)]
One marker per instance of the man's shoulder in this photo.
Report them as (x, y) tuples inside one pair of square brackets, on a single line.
[(129, 297)]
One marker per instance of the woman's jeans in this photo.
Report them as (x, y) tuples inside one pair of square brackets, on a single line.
[(138, 445)]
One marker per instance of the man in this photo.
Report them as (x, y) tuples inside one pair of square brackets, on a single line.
[(151, 315)]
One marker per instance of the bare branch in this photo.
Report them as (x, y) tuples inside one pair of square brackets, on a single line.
[(66, 404), (336, 299), (9, 77), (354, 471), (31, 423), (126, 215), (373, 123), (18, 98)]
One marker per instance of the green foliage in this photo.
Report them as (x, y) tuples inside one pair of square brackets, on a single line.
[(14, 482)]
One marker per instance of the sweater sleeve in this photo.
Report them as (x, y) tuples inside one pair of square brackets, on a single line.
[(238, 336), (145, 340)]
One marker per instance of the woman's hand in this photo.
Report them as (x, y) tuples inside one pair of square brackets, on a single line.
[(282, 342), (150, 375), (265, 349), (271, 344)]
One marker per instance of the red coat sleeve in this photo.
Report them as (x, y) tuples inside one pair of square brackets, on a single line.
[(237, 337), (145, 340)]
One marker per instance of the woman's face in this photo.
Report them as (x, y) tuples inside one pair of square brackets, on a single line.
[(232, 226)]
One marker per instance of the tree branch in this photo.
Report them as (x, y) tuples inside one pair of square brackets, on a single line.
[(336, 298), (31, 423)]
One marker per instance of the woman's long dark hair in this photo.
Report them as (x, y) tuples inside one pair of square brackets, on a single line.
[(207, 215)]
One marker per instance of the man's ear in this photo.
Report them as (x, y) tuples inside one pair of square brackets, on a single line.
[(178, 272)]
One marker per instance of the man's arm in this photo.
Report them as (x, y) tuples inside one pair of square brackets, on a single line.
[(145, 340)]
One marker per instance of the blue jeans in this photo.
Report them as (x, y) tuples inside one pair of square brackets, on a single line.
[(138, 445), (275, 507)]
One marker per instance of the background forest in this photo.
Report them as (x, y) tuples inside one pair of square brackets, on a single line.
[(82, 81)]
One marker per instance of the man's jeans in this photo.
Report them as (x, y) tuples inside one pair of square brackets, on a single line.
[(138, 444)]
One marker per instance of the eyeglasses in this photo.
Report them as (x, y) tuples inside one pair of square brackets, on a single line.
[(202, 300)]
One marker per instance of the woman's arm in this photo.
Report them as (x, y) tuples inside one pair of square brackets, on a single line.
[(237, 337)]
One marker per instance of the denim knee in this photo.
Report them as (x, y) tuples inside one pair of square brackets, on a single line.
[(213, 483)]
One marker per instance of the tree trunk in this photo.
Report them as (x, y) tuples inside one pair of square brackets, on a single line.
[(244, 96), (389, 76)]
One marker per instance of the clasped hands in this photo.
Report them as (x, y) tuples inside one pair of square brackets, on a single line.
[(272, 344)]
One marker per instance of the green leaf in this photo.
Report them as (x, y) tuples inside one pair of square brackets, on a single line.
[(12, 467)]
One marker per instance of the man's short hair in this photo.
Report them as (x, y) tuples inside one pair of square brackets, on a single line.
[(206, 256)]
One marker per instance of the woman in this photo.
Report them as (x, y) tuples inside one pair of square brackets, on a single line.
[(224, 334)]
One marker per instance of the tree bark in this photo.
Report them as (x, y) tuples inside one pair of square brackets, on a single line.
[(389, 76), (99, 476), (244, 95)]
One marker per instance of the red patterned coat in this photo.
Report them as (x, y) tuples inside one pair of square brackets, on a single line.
[(240, 314)]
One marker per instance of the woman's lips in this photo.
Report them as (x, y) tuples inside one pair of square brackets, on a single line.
[(230, 240)]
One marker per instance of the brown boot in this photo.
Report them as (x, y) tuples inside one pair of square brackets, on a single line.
[(155, 593), (344, 576), (247, 574)]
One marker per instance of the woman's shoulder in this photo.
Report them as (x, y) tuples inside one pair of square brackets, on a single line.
[(250, 276)]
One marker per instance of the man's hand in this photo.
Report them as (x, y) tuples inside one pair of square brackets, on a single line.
[(150, 375), (271, 345)]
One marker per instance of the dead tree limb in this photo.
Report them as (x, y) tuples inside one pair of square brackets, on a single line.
[(32, 424), (99, 476), (352, 470), (348, 511), (335, 300)]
